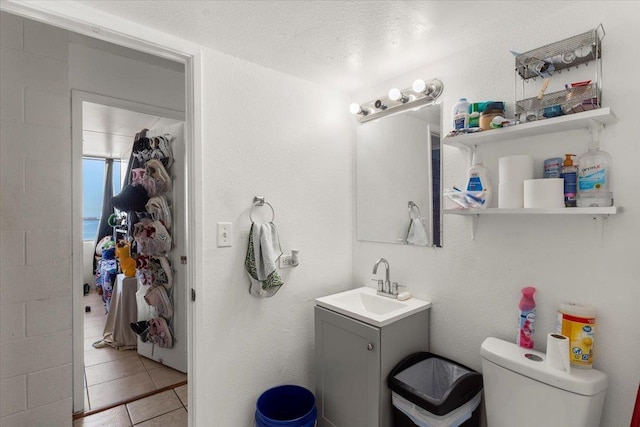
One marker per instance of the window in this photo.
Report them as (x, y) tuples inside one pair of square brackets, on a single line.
[(93, 172)]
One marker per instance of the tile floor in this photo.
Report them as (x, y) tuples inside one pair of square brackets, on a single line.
[(166, 409), (113, 376)]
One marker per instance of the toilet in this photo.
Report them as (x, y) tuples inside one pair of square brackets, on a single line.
[(521, 390)]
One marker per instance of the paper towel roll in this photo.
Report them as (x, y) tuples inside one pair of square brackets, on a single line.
[(544, 193), (510, 195), (558, 352), (515, 168)]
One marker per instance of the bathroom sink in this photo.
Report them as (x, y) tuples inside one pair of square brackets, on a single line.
[(365, 305)]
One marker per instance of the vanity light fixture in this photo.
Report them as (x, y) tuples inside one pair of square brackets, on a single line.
[(396, 95), (356, 108), (433, 89), (421, 93)]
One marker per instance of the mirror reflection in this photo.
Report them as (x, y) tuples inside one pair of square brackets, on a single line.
[(398, 177)]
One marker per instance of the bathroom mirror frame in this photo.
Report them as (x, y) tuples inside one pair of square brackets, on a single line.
[(391, 172)]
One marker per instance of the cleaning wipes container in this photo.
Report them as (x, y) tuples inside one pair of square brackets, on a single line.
[(578, 323)]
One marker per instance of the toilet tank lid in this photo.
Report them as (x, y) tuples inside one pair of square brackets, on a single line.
[(510, 356)]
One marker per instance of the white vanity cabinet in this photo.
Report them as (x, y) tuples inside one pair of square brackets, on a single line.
[(353, 360)]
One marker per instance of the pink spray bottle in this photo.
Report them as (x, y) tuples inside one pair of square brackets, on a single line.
[(527, 308)]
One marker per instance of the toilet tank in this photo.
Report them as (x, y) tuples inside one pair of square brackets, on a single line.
[(520, 390)]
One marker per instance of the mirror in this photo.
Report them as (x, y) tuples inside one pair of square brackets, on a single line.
[(398, 190)]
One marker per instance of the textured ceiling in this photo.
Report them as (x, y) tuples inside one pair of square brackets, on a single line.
[(347, 45)]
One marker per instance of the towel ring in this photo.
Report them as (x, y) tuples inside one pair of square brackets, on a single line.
[(411, 206), (259, 202)]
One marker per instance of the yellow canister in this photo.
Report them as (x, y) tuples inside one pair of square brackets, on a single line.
[(578, 323)]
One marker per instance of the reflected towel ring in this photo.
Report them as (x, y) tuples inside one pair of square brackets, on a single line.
[(259, 201), (411, 206)]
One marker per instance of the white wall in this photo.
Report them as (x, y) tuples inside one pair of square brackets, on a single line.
[(268, 134), (35, 234), (475, 284)]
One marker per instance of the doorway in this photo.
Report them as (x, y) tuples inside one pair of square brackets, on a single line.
[(108, 372)]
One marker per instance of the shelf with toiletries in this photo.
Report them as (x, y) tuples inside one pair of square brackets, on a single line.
[(582, 120), (599, 214), (595, 212)]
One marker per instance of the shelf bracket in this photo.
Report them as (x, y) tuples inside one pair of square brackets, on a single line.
[(474, 225), (600, 222), (595, 129)]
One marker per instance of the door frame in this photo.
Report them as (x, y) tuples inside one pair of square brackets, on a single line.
[(78, 98), (90, 22)]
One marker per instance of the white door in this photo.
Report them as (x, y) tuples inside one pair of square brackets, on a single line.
[(176, 356)]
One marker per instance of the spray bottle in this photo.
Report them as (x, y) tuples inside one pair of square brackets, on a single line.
[(527, 308)]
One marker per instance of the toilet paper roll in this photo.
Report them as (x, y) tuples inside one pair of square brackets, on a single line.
[(515, 168), (558, 353), (544, 193), (510, 195)]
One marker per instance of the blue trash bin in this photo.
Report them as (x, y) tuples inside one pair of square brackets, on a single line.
[(286, 406)]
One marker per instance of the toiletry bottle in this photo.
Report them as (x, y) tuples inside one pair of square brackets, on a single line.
[(478, 184), (594, 187), (570, 175), (527, 308), (461, 114)]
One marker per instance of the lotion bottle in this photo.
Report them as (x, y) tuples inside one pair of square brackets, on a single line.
[(478, 183), (527, 309)]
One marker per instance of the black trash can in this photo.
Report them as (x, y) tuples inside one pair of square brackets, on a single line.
[(429, 390)]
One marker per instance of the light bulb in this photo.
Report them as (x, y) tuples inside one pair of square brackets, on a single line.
[(355, 108), (395, 94), (419, 86)]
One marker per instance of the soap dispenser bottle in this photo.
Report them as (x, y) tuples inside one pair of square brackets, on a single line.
[(570, 175), (593, 179), (527, 309)]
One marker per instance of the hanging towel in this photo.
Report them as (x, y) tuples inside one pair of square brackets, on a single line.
[(417, 235), (262, 255)]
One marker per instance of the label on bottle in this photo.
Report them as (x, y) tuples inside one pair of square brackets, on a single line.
[(460, 121), (475, 184), (526, 328), (592, 178), (581, 333), (570, 187)]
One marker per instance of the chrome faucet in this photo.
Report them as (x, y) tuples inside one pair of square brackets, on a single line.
[(386, 288)]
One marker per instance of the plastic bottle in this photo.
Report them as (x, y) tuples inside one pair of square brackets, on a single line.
[(578, 323), (527, 308), (478, 184), (570, 175), (593, 179), (461, 114)]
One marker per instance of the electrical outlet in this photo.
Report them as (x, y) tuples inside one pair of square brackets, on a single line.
[(285, 261), (224, 234)]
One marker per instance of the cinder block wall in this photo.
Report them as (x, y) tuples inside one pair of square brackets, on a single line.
[(35, 225)]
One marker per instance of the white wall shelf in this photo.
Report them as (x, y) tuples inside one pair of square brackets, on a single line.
[(585, 119), (598, 214)]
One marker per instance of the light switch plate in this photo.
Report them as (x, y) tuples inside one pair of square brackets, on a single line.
[(224, 234)]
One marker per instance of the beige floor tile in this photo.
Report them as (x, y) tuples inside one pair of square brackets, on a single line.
[(94, 331), (152, 406), (150, 364), (183, 394), (164, 376), (103, 394), (177, 418), (105, 354), (114, 369), (117, 416)]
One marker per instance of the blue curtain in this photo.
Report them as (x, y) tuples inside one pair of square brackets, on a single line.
[(104, 229)]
